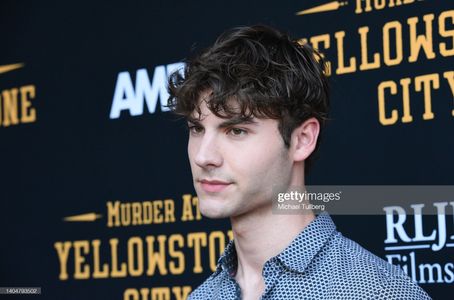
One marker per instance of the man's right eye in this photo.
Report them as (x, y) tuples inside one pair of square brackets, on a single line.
[(194, 129)]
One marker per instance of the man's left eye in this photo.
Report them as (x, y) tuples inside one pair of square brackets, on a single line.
[(237, 131)]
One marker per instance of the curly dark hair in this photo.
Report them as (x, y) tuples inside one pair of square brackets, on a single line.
[(268, 73)]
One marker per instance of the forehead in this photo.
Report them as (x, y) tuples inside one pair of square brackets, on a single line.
[(203, 109), (208, 117)]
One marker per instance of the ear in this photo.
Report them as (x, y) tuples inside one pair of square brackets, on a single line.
[(304, 139)]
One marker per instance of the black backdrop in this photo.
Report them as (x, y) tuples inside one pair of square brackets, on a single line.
[(72, 158)]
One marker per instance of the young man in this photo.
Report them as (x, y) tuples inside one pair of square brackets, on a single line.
[(256, 102)]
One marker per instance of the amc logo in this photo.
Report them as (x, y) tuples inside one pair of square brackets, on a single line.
[(132, 97)]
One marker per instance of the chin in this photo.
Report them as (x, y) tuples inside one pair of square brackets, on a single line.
[(214, 216), (212, 211)]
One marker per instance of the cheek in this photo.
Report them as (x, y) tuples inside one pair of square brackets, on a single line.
[(261, 166), (191, 152), (190, 147)]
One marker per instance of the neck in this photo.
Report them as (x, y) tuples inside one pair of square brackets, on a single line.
[(262, 235)]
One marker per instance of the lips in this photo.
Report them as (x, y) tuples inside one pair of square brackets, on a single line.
[(214, 186)]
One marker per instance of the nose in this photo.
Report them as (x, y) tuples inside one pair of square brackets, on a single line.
[(207, 152)]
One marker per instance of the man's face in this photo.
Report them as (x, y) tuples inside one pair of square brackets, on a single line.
[(236, 163)]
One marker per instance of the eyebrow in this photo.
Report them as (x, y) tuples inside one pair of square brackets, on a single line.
[(237, 120)]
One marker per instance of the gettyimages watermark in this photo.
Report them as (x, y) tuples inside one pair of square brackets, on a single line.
[(364, 200), (305, 200)]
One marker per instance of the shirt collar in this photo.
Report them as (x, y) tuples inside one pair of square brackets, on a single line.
[(298, 254), (228, 259)]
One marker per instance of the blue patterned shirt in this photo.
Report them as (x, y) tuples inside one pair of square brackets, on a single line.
[(320, 263)]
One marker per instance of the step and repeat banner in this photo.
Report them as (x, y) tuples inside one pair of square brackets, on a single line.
[(96, 195)]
